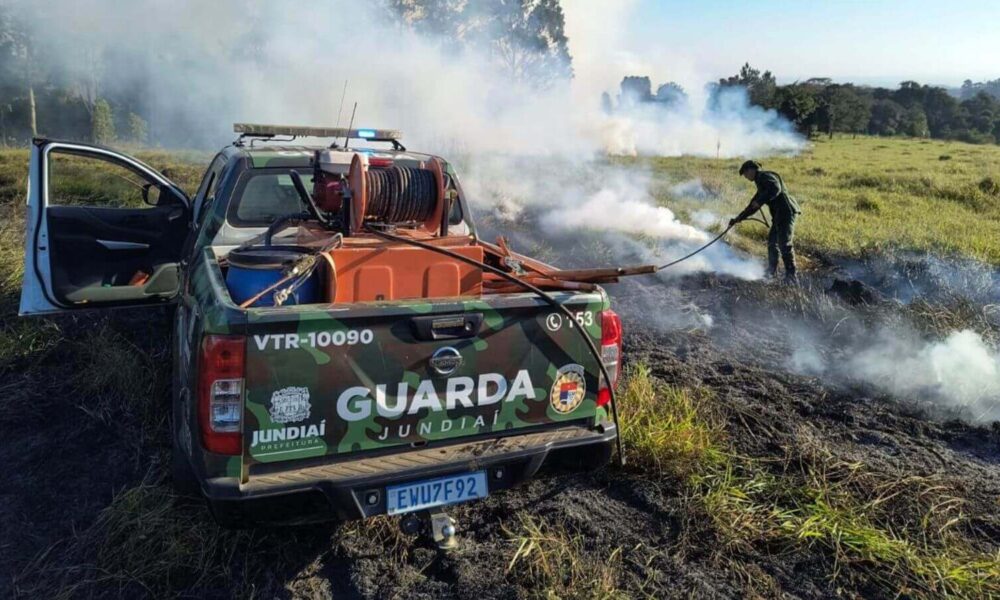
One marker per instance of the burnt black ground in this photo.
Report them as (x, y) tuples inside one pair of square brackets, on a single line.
[(61, 468)]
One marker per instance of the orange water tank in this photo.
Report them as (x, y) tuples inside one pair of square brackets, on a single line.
[(389, 272)]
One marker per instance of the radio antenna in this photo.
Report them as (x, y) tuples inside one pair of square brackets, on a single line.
[(347, 138), (341, 109)]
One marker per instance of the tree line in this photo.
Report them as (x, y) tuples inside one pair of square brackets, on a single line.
[(820, 106)]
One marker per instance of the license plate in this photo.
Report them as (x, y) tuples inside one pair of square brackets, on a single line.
[(436, 492)]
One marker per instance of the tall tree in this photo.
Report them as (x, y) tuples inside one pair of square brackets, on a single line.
[(530, 41), (798, 103), (18, 37), (670, 93), (886, 115), (526, 38), (909, 94), (943, 112), (760, 87), (103, 122), (914, 122), (981, 113), (843, 108), (635, 90), (969, 88)]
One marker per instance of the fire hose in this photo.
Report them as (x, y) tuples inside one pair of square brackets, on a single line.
[(715, 239)]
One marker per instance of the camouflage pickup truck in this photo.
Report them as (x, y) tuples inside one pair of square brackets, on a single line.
[(371, 396)]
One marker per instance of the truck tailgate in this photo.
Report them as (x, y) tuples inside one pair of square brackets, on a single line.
[(334, 381)]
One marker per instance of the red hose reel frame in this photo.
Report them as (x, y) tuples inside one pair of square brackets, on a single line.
[(328, 192)]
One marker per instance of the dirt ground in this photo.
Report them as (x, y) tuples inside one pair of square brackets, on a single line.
[(84, 496)]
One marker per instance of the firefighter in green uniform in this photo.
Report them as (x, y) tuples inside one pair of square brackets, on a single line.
[(771, 191)]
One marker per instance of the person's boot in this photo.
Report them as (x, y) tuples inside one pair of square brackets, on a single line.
[(772, 263), (789, 260)]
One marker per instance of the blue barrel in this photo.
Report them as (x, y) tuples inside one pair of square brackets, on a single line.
[(253, 270)]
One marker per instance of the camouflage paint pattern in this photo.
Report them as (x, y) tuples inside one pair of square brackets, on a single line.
[(285, 359)]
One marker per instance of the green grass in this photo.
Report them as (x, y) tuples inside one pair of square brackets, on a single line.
[(863, 193), (550, 561), (901, 535), (666, 427)]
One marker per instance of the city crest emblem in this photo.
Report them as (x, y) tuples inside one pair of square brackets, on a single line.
[(568, 389), (290, 405)]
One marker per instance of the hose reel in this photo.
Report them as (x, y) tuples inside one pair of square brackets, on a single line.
[(380, 192)]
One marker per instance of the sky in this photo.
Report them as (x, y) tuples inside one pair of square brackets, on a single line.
[(876, 42)]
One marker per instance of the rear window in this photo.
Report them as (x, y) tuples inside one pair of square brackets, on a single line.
[(264, 196)]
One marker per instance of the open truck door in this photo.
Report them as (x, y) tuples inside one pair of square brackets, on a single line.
[(103, 230)]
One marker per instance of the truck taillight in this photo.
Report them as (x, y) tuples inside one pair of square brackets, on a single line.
[(611, 350), (220, 392)]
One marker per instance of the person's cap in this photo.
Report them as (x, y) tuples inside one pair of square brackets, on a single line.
[(750, 164)]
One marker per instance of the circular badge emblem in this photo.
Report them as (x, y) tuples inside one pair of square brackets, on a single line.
[(568, 389)]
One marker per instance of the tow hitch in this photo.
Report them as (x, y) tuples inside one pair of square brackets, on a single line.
[(442, 527)]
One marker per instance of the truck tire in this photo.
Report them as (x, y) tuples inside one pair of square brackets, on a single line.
[(228, 516), (181, 474)]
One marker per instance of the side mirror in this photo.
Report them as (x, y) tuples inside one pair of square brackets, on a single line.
[(151, 194)]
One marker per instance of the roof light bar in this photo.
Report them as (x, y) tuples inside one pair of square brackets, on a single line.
[(256, 129)]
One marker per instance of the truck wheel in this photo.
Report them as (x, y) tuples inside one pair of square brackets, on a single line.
[(228, 517), (183, 477)]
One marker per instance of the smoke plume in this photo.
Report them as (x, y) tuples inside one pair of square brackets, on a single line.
[(198, 67), (961, 369), (573, 201)]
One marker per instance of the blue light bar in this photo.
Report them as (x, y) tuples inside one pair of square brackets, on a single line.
[(332, 132)]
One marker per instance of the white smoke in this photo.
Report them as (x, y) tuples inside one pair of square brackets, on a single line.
[(202, 66), (610, 210), (569, 199), (621, 203), (723, 125), (691, 188), (705, 218), (962, 370)]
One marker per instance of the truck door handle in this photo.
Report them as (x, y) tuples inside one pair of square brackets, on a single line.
[(446, 327)]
